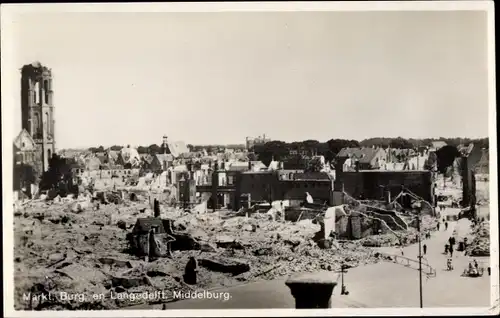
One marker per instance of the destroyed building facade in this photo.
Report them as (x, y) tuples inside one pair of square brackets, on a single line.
[(37, 109), (35, 144)]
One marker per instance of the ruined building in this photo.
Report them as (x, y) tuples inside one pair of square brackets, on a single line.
[(35, 144), (37, 109)]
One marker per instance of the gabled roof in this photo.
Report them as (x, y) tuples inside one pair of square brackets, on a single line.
[(179, 168), (438, 144), (149, 158), (237, 166), (177, 148), (165, 157), (113, 155), (102, 159), (130, 155), (24, 141), (364, 155)]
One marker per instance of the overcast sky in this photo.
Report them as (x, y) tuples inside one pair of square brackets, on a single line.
[(130, 78)]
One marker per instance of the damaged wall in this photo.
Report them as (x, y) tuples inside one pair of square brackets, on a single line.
[(370, 183)]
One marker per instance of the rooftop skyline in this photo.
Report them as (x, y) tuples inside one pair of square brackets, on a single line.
[(216, 78)]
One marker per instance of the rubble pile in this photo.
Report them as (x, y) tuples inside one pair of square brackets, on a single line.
[(85, 250), (480, 245), (396, 238)]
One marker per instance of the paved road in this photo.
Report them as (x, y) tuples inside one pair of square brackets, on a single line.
[(379, 285)]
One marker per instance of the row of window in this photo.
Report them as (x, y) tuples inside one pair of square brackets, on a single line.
[(46, 90), (27, 156)]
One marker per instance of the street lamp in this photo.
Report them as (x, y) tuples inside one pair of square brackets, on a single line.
[(343, 269), (418, 206)]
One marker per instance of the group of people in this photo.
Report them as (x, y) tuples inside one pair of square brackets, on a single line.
[(473, 270), (438, 226)]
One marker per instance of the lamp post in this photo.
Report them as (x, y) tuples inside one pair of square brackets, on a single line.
[(419, 209), (343, 269)]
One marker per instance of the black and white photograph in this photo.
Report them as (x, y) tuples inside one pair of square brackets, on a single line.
[(253, 158)]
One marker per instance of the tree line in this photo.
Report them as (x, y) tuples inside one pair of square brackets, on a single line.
[(295, 152), (329, 149), (157, 149)]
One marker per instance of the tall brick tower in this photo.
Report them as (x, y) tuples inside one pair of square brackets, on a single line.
[(37, 109)]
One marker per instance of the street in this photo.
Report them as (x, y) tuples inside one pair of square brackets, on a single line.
[(384, 284)]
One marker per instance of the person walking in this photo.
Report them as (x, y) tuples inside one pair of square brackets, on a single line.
[(446, 226), (425, 249), (438, 226), (451, 250)]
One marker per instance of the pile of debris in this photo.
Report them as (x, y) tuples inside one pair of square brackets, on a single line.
[(88, 251), (480, 245)]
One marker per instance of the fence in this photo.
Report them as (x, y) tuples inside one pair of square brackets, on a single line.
[(411, 263)]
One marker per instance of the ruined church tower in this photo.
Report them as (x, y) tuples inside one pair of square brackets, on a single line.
[(37, 109)]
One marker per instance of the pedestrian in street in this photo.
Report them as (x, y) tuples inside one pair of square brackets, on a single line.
[(489, 271), (438, 225), (476, 265), (446, 248), (451, 250), (425, 249), (446, 226)]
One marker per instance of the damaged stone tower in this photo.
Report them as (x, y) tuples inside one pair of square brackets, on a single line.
[(37, 109)]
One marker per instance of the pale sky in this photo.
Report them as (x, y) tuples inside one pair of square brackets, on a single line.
[(215, 78)]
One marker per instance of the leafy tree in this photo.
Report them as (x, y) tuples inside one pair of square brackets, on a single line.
[(98, 149), (314, 165), (311, 146), (335, 145), (445, 157), (431, 161), (24, 175), (274, 149), (295, 162), (401, 143), (252, 156), (154, 149), (59, 177)]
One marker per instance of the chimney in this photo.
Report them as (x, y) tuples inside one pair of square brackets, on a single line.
[(164, 144)]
